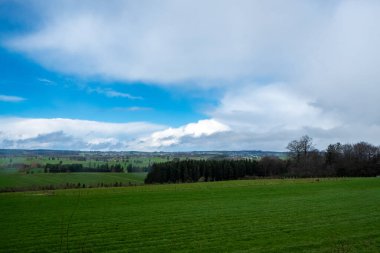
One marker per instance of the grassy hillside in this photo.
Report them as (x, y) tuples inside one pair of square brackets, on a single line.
[(19, 180), (241, 216)]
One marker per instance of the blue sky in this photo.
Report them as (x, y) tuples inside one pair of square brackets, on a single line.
[(51, 94), (189, 75)]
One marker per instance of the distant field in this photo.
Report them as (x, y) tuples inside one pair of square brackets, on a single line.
[(19, 180), (137, 162), (303, 215)]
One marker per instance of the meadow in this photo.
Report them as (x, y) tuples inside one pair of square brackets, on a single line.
[(40, 161), (268, 215), (20, 181)]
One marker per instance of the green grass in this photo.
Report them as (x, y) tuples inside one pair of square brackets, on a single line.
[(22, 180), (236, 216)]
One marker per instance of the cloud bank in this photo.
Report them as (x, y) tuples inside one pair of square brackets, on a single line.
[(60, 133), (286, 68), (93, 135)]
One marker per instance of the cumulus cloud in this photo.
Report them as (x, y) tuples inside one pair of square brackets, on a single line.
[(13, 99), (174, 137), (267, 117), (271, 107)]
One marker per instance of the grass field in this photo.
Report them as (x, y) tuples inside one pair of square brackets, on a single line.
[(21, 180), (237, 216)]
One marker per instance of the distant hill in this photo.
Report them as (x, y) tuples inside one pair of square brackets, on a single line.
[(189, 154)]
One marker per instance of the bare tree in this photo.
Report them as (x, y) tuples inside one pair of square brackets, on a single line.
[(300, 148), (305, 158), (306, 144)]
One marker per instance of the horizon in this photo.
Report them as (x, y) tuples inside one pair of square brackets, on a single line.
[(187, 76), (136, 151)]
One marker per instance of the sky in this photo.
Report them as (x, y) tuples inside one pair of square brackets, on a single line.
[(188, 75)]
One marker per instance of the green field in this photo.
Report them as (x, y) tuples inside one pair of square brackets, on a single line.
[(237, 216), (40, 161), (21, 180)]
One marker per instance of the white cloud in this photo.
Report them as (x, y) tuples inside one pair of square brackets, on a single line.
[(138, 108), (112, 93), (60, 133), (169, 137), (47, 81), (174, 41), (13, 99), (93, 135), (271, 107)]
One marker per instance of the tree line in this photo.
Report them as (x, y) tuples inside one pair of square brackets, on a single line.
[(63, 168), (65, 186), (349, 160)]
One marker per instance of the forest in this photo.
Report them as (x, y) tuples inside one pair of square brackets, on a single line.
[(338, 160)]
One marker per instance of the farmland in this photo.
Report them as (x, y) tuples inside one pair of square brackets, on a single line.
[(269, 215), (37, 163), (32, 181)]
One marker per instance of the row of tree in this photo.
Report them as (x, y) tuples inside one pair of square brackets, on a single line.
[(202, 170), (63, 168), (65, 186), (352, 160), (343, 160)]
